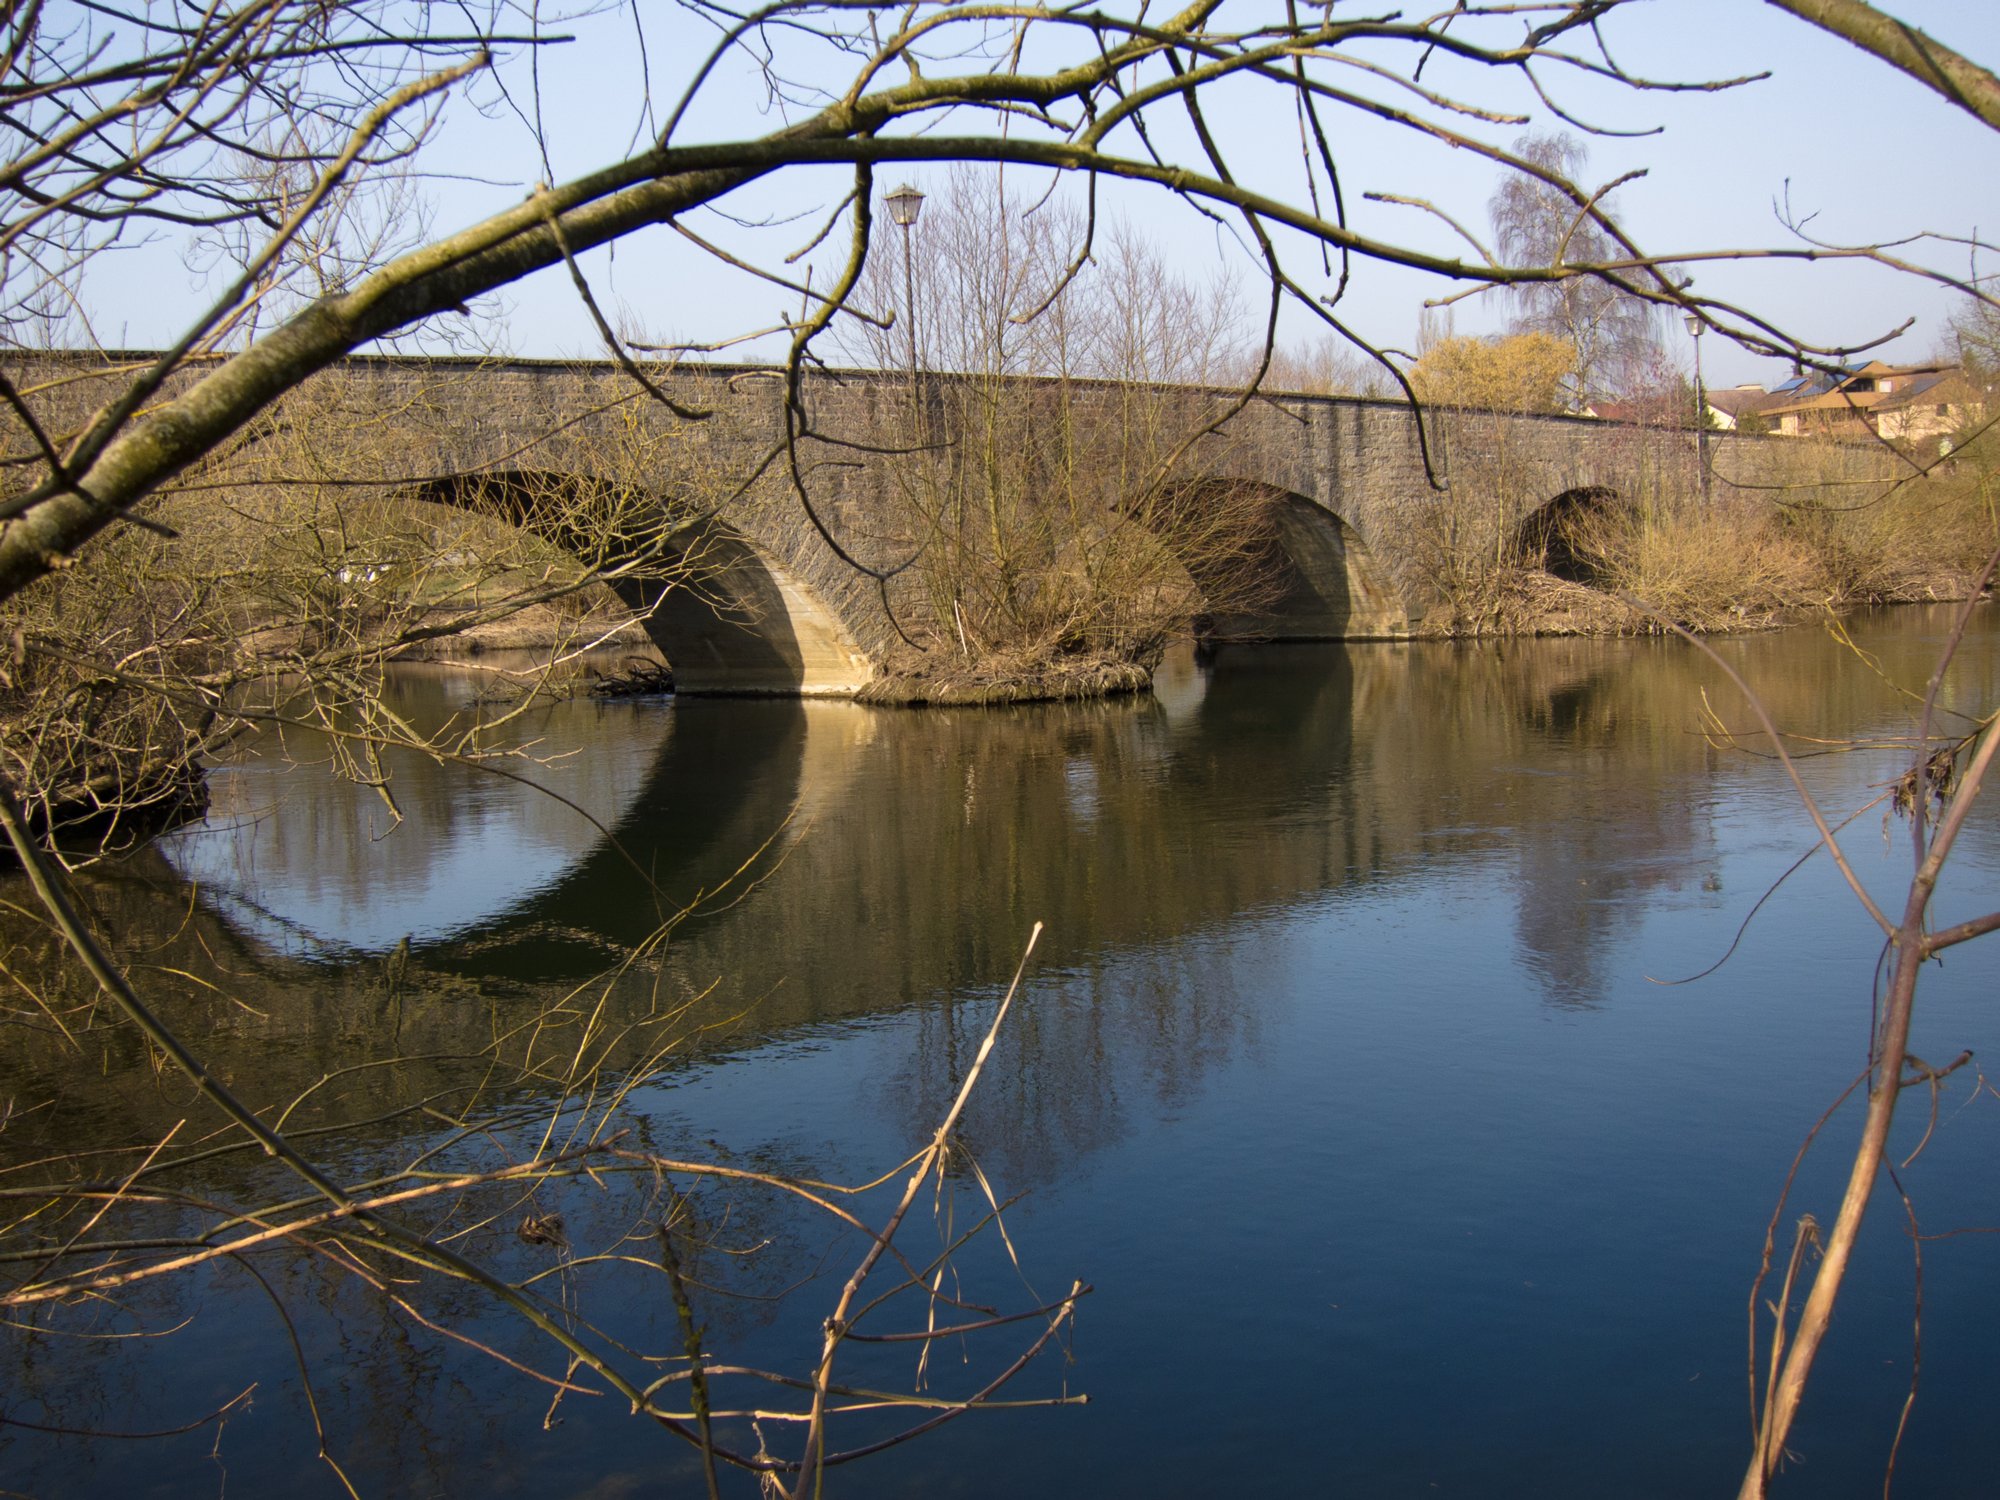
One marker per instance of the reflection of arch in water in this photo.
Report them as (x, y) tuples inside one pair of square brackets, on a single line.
[(1312, 576), (1547, 536), (1099, 796), (676, 832), (500, 877), (310, 863), (729, 618)]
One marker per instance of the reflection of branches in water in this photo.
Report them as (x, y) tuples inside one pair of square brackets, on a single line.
[(1090, 1048), (1581, 880), (445, 1211)]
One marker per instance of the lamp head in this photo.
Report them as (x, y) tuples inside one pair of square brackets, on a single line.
[(904, 205)]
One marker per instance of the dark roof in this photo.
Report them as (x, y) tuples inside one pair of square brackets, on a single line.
[(1736, 402), (1616, 411), (1944, 385)]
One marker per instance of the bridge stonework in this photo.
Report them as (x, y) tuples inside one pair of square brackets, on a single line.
[(768, 605)]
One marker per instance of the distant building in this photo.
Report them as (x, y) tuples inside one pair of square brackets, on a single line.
[(1913, 404), (1619, 411), (1806, 383), (1727, 408), (1909, 404), (1924, 411)]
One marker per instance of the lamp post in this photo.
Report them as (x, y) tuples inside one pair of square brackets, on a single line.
[(904, 206), (1694, 328)]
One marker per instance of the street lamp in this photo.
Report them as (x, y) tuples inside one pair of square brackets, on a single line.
[(904, 206), (1694, 328)]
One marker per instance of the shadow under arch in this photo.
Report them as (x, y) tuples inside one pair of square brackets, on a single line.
[(1546, 537), (1303, 573), (729, 619)]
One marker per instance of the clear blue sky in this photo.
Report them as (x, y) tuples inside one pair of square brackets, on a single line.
[(1866, 153)]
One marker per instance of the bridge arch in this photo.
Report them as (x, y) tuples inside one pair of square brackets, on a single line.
[(1310, 576), (1547, 536), (728, 617)]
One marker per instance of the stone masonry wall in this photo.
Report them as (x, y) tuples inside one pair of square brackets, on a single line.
[(404, 423)]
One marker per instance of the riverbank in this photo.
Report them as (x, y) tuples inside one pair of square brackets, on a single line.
[(1518, 602), (1509, 603), (952, 683)]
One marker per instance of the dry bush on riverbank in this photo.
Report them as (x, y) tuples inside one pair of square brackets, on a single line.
[(94, 753), (1494, 602), (1052, 519), (1059, 532), (1745, 558), (1464, 540), (299, 565), (1710, 568), (1926, 539), (1805, 536)]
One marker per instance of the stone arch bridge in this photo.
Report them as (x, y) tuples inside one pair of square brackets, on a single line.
[(767, 604)]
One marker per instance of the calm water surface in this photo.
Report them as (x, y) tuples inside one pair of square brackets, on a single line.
[(1341, 1072)]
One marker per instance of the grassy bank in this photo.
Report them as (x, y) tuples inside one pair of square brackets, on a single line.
[(1735, 559)]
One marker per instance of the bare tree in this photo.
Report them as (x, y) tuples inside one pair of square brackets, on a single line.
[(366, 220), (1972, 338), (1536, 223), (1327, 367)]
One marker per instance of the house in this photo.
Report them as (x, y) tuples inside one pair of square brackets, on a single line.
[(1727, 408), (1904, 403), (1804, 383), (1912, 404), (1618, 411), (1923, 411)]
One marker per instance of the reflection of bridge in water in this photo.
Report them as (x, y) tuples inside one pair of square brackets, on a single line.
[(1273, 776), (906, 855), (1291, 812)]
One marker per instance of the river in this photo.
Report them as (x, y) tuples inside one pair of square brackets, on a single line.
[(1343, 1074)]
